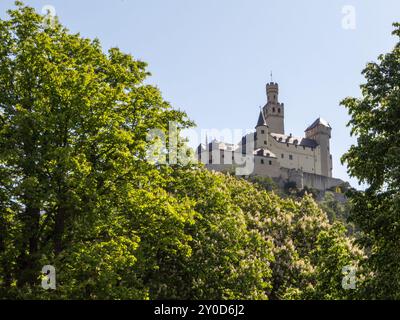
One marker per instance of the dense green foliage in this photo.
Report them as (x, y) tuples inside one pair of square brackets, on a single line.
[(77, 191), (375, 121), (338, 210)]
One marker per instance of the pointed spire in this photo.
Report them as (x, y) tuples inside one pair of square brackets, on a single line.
[(261, 120)]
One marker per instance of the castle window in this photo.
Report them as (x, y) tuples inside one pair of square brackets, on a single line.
[(273, 109), (270, 163), (287, 145), (304, 148), (262, 131), (290, 157), (265, 142), (282, 155), (262, 161), (279, 110)]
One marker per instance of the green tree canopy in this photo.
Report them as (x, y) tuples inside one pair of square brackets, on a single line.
[(73, 132), (374, 160)]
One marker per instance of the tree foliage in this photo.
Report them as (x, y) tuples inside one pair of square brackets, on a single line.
[(374, 160)]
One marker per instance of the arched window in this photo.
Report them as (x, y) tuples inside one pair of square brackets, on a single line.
[(273, 109)]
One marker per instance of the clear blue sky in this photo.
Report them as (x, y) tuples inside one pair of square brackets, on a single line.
[(213, 58)]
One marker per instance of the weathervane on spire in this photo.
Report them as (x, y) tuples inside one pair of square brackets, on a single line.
[(271, 77)]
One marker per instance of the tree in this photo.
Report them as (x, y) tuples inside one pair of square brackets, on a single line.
[(292, 228), (374, 160), (337, 210), (74, 122), (334, 253), (230, 257)]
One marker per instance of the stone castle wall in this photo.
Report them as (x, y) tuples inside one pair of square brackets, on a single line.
[(310, 180)]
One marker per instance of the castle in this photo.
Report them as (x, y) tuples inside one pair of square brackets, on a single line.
[(306, 161)]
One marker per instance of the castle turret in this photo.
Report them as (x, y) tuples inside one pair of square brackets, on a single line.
[(274, 111), (320, 131), (261, 133)]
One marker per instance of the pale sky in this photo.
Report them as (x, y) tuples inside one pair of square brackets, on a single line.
[(212, 59)]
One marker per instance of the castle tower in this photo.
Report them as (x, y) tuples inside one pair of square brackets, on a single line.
[(274, 111), (320, 131), (262, 133)]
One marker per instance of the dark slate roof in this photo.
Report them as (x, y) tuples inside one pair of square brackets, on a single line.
[(318, 122), (261, 121), (294, 140)]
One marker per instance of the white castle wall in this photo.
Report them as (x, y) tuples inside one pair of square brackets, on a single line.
[(305, 159)]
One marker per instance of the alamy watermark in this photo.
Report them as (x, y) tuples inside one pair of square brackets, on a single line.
[(49, 18), (349, 278), (49, 277), (170, 148), (349, 20)]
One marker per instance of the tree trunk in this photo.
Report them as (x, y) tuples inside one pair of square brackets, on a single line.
[(28, 267)]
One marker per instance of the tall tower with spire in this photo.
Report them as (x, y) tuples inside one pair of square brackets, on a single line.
[(274, 111), (261, 133)]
